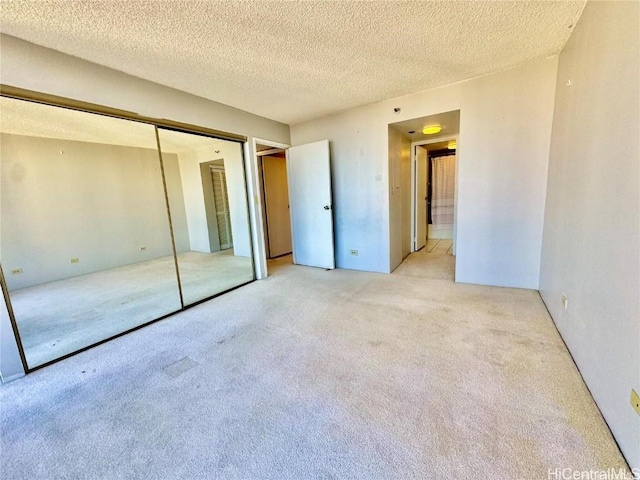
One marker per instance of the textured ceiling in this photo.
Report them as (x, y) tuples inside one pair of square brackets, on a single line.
[(449, 121), (35, 120), (293, 60)]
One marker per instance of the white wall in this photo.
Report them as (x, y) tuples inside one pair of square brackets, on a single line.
[(231, 153), (503, 154), (190, 174), (591, 233), (500, 191), (100, 203), (175, 194)]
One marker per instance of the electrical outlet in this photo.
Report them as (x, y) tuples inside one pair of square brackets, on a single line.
[(565, 301), (143, 247), (635, 401), (353, 252), (16, 271), (75, 260)]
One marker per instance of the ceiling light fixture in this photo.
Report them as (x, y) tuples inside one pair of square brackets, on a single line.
[(452, 145), (431, 129)]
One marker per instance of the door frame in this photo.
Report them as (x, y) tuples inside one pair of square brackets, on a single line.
[(257, 210), (414, 186), (264, 197)]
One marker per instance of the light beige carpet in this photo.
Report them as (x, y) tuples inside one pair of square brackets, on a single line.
[(61, 317), (425, 264), (317, 374)]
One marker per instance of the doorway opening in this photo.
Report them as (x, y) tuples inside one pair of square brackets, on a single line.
[(293, 187), (221, 204), (216, 203), (441, 175), (274, 189), (429, 223)]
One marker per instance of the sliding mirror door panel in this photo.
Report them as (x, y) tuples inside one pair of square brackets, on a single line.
[(209, 213), (85, 240)]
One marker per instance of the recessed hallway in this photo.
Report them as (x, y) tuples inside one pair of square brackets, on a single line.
[(434, 261), (316, 374)]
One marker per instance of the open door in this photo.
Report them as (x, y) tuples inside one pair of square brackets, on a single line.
[(421, 197), (309, 176)]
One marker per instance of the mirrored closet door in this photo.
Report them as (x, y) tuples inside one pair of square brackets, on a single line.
[(92, 217), (209, 213)]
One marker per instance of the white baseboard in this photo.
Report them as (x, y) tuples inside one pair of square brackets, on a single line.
[(13, 377)]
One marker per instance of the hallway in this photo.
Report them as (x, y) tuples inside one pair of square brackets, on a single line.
[(434, 261)]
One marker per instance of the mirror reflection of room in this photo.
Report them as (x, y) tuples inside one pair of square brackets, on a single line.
[(209, 213), (85, 240), (100, 233)]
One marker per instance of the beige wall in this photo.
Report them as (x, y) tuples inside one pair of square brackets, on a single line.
[(591, 241), (276, 192), (400, 216), (63, 199), (501, 192), (405, 186)]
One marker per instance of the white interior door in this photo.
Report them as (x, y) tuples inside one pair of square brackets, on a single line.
[(276, 199), (310, 204), (421, 197)]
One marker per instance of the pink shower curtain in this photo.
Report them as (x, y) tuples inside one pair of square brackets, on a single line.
[(443, 186)]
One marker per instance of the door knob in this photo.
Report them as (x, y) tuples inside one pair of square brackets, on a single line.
[(327, 207)]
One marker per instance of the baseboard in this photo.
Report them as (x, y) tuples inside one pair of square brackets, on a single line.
[(13, 377)]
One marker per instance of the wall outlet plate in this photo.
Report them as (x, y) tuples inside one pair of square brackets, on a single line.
[(16, 271), (635, 401), (353, 252), (143, 247), (75, 260)]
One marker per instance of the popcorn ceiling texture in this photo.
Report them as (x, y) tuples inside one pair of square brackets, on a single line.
[(295, 61)]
